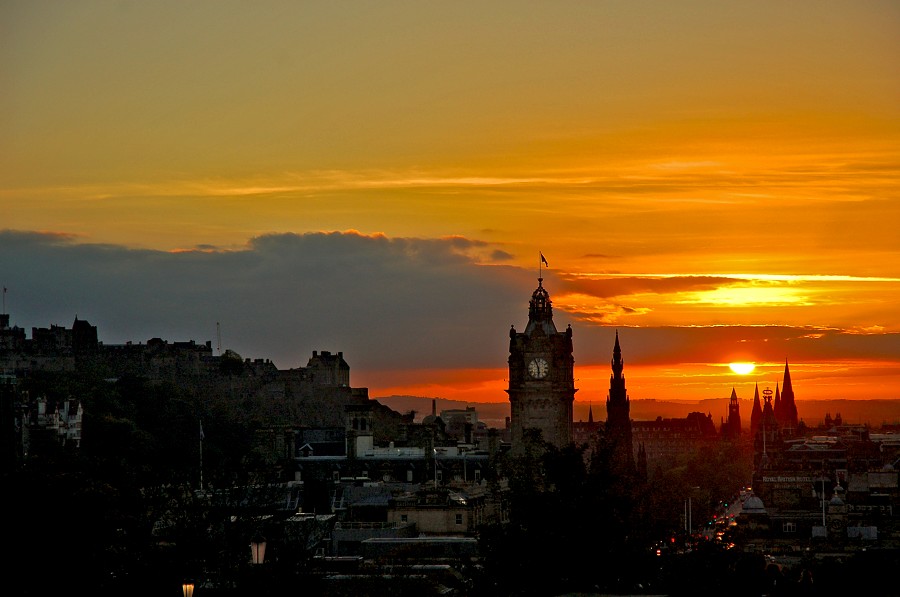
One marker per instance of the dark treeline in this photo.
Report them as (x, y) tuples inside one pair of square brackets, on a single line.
[(84, 518)]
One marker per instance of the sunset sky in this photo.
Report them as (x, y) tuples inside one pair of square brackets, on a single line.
[(718, 181)]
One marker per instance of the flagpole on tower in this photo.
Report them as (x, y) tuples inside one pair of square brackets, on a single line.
[(543, 261)]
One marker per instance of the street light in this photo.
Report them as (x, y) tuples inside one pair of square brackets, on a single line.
[(688, 512), (257, 550)]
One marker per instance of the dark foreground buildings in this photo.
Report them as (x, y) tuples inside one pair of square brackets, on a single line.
[(361, 492)]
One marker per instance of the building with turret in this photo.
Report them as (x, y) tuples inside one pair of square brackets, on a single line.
[(836, 487), (541, 375), (731, 427), (767, 442)]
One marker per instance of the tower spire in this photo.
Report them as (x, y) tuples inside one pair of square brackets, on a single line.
[(617, 363), (733, 426), (618, 413), (776, 406), (789, 420), (755, 413)]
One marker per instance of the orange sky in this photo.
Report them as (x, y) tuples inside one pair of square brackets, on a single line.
[(717, 180)]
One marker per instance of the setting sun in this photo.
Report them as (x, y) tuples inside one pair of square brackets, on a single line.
[(742, 368), (396, 188)]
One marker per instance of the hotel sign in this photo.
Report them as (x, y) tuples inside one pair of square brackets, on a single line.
[(877, 509), (789, 479)]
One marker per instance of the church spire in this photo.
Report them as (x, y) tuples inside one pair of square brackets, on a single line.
[(755, 413), (789, 420), (776, 406)]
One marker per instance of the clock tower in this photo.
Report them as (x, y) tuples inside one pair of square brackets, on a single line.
[(541, 381)]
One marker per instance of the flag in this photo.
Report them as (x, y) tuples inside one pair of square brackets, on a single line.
[(201, 431), (544, 260)]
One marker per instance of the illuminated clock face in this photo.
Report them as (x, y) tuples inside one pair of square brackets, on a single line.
[(538, 368)]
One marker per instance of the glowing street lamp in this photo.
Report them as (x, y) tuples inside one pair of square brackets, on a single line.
[(188, 589)]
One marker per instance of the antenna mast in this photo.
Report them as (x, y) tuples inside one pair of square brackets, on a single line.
[(218, 339)]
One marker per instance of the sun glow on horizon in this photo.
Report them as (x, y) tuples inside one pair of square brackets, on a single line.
[(742, 368), (823, 380)]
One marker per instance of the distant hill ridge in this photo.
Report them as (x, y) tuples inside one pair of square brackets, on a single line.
[(874, 412)]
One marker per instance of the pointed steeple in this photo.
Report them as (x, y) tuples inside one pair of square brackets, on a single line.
[(776, 406), (590, 413), (789, 420), (642, 462), (755, 413), (618, 412), (617, 363), (733, 427), (768, 409)]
